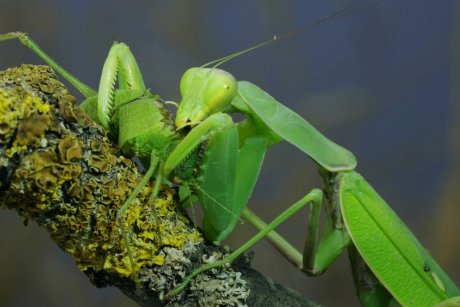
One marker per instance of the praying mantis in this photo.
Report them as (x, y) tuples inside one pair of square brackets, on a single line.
[(237, 150)]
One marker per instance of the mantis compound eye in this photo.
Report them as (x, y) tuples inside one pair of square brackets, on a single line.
[(204, 91), (219, 90)]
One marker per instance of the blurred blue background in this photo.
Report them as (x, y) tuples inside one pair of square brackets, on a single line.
[(382, 83)]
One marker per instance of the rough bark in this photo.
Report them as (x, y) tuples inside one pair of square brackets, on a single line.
[(60, 169)]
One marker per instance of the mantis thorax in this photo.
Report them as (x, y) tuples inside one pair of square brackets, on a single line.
[(144, 125)]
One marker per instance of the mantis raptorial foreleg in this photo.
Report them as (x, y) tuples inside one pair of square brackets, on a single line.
[(195, 137), (122, 66), (315, 198)]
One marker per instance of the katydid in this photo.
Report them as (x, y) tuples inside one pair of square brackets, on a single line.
[(232, 161)]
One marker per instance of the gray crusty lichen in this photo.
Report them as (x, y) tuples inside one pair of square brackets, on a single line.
[(58, 168)]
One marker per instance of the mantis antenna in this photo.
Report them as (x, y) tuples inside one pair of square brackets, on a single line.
[(346, 11)]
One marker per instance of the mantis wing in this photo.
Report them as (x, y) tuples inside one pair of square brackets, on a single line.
[(228, 177), (250, 158), (216, 184), (391, 251), (288, 125)]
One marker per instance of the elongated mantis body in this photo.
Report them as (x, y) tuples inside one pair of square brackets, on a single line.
[(237, 151), (357, 218)]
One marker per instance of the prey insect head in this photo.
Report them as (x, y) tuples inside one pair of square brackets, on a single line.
[(204, 91)]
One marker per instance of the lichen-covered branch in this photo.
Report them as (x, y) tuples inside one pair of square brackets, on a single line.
[(58, 168)]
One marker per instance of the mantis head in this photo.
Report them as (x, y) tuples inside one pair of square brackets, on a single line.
[(204, 91), (207, 90)]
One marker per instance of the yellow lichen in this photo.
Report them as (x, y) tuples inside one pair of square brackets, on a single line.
[(72, 113), (29, 131), (70, 178), (69, 149), (99, 164)]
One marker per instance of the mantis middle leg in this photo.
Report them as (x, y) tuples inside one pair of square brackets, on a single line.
[(316, 257), (314, 198)]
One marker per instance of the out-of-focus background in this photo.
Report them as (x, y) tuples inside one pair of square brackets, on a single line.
[(383, 83)]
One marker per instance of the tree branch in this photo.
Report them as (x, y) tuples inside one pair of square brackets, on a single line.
[(58, 168)]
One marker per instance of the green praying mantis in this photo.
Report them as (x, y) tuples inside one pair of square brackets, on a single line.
[(358, 219)]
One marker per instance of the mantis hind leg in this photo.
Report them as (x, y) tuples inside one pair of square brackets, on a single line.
[(316, 257), (369, 289), (84, 89), (315, 197)]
